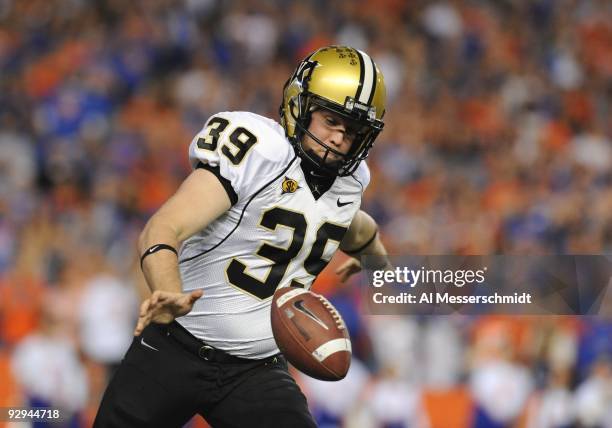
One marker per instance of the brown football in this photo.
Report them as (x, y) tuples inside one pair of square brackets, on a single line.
[(311, 334)]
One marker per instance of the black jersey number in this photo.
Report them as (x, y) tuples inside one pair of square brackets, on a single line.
[(241, 138), (236, 271), (216, 126), (314, 264)]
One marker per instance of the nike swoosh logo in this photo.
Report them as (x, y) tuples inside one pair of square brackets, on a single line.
[(299, 305), (152, 249), (143, 343), (341, 204)]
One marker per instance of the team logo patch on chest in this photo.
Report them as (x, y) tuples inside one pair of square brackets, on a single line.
[(289, 185)]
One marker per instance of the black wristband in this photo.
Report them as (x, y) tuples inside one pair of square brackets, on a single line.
[(154, 249), (363, 247)]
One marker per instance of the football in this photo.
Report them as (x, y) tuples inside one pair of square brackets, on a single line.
[(311, 334)]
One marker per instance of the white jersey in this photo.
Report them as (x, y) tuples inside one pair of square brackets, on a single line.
[(276, 234)]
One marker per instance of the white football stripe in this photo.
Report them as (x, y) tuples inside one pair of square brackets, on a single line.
[(290, 295), (368, 79), (331, 347)]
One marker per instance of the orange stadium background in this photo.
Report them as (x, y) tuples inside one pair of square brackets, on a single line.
[(498, 140)]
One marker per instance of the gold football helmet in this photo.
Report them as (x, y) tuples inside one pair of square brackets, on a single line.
[(346, 81)]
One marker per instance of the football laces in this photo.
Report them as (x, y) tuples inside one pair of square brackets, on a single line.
[(335, 315)]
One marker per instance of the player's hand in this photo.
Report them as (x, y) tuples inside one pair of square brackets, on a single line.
[(348, 268), (164, 306)]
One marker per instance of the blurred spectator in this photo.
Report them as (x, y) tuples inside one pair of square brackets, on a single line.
[(331, 402), (443, 359), (394, 403), (385, 331), (500, 389), (106, 313), (594, 395), (499, 384), (552, 407), (21, 301), (48, 369)]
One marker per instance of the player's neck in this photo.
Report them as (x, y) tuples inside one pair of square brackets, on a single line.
[(317, 182)]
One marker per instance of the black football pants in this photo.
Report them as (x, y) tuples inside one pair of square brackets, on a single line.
[(162, 382)]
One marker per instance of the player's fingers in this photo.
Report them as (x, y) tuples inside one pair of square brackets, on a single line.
[(164, 296), (146, 320), (144, 307), (156, 297), (343, 267), (168, 299), (140, 325), (344, 276), (349, 271), (195, 295), (157, 304)]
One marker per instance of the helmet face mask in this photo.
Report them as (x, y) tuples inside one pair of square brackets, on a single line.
[(346, 163), (346, 82)]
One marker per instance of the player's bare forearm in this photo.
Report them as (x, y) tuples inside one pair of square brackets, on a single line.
[(363, 239), (160, 268), (199, 200)]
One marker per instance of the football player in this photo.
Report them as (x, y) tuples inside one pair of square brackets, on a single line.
[(266, 206)]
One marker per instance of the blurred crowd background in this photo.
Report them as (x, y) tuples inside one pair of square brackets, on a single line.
[(498, 140)]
